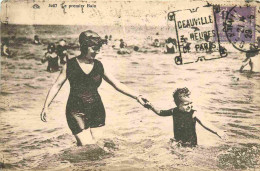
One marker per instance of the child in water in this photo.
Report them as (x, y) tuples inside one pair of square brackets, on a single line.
[(184, 119), (52, 58)]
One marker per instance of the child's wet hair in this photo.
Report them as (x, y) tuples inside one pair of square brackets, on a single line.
[(180, 92)]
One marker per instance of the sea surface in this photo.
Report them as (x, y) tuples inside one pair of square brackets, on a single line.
[(137, 139)]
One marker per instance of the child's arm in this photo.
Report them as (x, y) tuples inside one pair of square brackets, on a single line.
[(208, 126), (148, 105)]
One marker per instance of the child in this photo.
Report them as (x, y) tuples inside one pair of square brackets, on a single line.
[(184, 118), (52, 58)]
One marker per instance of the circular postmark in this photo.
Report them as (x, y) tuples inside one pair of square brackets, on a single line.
[(239, 28)]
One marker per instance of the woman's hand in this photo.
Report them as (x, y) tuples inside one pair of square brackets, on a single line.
[(44, 114), (142, 100)]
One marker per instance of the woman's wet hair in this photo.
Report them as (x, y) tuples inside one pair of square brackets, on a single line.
[(51, 46), (179, 93), (89, 38)]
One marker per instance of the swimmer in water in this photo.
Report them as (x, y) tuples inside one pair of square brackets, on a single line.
[(105, 41), (169, 46), (52, 58), (123, 49), (252, 59), (36, 40), (156, 43), (85, 111), (62, 51), (185, 119), (5, 48)]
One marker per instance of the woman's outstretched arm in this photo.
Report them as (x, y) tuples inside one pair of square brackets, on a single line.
[(53, 92), (109, 78)]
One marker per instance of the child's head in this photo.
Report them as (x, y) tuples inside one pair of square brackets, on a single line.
[(182, 99)]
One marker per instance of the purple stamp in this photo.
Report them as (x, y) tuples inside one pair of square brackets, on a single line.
[(237, 26)]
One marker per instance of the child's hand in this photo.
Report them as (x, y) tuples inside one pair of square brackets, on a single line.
[(144, 102)]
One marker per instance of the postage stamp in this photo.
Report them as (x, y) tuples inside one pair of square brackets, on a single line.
[(237, 25)]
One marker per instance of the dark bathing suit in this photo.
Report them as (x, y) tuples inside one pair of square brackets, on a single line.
[(53, 64), (84, 107), (184, 126), (170, 49), (60, 50)]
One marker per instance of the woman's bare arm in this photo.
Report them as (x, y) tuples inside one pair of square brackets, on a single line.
[(54, 91), (109, 78)]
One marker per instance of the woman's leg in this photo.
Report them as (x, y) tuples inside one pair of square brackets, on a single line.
[(77, 125), (85, 137), (97, 133)]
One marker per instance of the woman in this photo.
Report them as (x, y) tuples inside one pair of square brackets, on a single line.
[(85, 111)]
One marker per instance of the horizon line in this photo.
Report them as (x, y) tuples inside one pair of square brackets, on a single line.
[(2, 24)]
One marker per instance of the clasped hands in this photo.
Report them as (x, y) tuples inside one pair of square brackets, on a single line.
[(144, 102)]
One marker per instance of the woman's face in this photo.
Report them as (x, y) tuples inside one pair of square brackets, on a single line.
[(93, 51), (90, 48)]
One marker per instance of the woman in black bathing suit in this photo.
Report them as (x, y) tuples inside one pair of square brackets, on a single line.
[(85, 110)]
